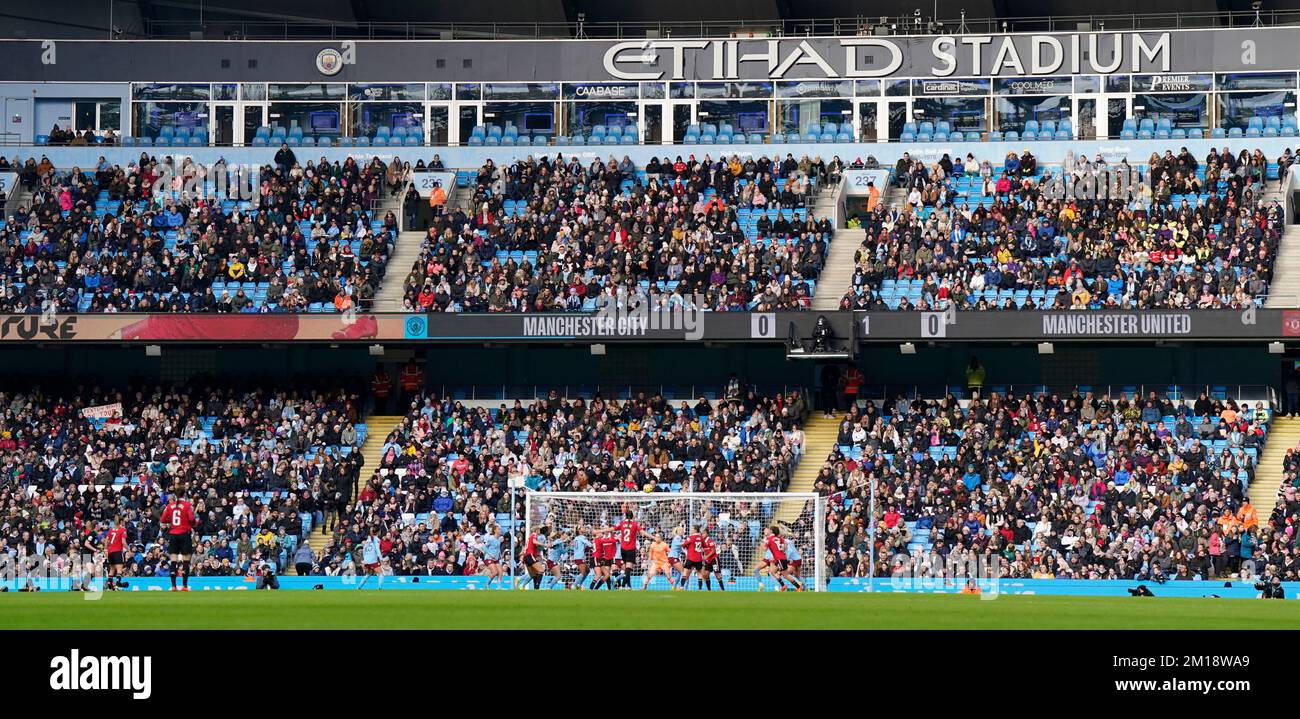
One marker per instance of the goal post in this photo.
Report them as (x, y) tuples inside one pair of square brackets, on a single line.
[(735, 520)]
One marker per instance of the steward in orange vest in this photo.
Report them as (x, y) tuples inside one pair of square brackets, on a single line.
[(380, 384), (412, 377)]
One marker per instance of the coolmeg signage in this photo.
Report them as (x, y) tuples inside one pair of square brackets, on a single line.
[(858, 57)]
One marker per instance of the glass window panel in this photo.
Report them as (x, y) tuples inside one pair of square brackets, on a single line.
[(225, 91), (748, 116), (582, 116), (110, 115), (1085, 84), (315, 118), (1236, 108), (439, 125), (374, 91), (1184, 110), (83, 115), (252, 91), (469, 91), (1014, 112), (653, 90), (966, 114), (532, 118), (1257, 81), (866, 88), (1117, 83), (151, 117), (370, 116), (815, 88), (521, 90), (797, 115), (172, 91), (307, 91), (868, 122), (728, 90), (682, 90), (898, 88), (439, 91)]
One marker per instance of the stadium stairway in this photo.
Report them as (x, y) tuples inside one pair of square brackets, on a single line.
[(837, 276), (22, 197), (1283, 434), (378, 428), (1284, 291), (820, 434), (409, 243), (389, 296)]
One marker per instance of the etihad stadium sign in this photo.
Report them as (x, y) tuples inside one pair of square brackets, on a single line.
[(866, 57)]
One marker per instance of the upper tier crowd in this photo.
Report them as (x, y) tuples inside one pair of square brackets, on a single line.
[(1181, 233), (544, 234), (138, 238), (547, 235)]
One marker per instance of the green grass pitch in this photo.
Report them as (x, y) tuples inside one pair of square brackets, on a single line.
[(627, 610)]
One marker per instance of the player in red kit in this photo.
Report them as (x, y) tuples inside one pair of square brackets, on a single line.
[(711, 566), (626, 532), (694, 546), (535, 556), (115, 547), (178, 522), (599, 567), (776, 544), (606, 550)]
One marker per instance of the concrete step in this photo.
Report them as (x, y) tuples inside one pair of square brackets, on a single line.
[(1283, 434), (389, 296), (837, 276), (378, 428)]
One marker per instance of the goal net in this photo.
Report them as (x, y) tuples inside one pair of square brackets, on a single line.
[(735, 521)]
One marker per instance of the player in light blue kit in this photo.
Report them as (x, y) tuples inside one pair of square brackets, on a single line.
[(675, 555), (556, 557), (581, 549), (492, 544)]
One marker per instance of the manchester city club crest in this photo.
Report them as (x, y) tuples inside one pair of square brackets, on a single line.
[(329, 61)]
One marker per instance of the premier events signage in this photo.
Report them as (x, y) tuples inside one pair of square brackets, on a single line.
[(1173, 83)]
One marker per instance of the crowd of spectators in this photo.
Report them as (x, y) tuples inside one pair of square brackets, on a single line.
[(1082, 486), (138, 238), (544, 234), (74, 138), (1188, 233), (262, 467), (442, 482)]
